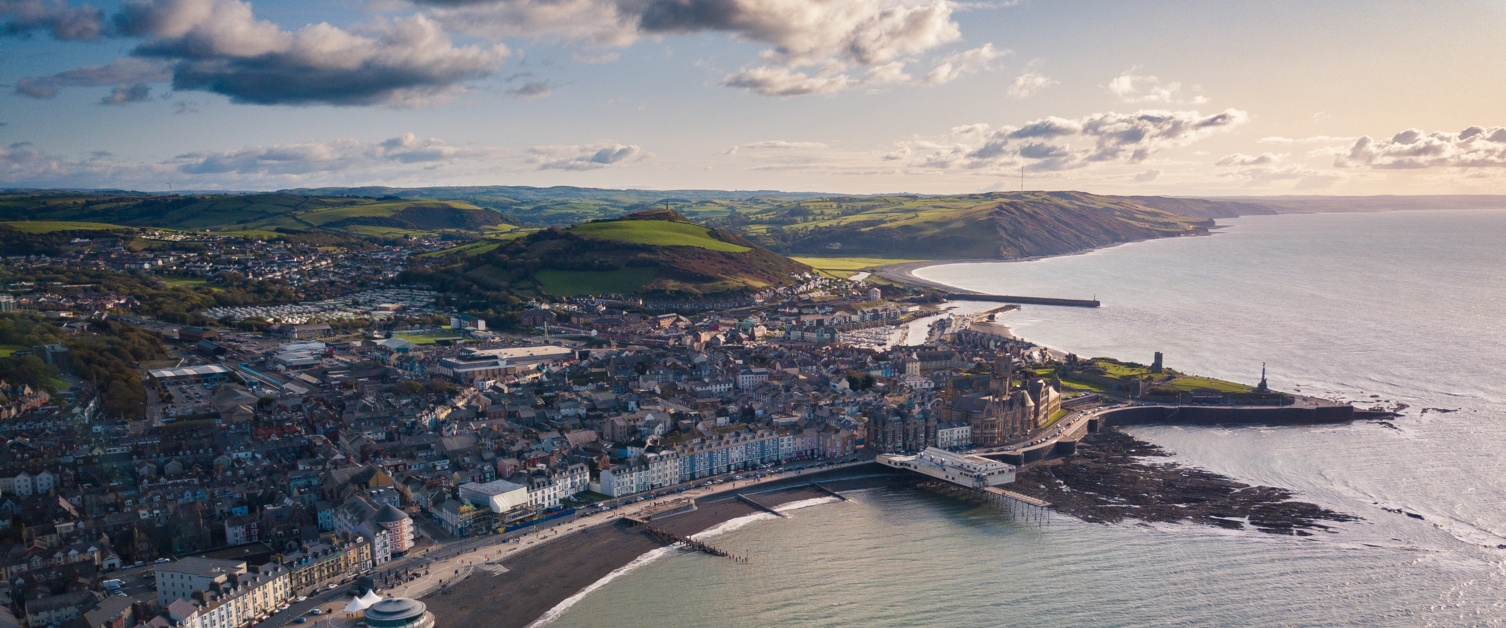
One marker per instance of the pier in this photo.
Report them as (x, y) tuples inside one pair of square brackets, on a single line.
[(1023, 300), (670, 538)]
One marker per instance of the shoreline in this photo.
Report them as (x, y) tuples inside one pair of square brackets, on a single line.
[(538, 584), (905, 272)]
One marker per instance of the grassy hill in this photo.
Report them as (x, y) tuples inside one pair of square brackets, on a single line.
[(994, 225), (251, 214), (653, 253), (568, 205)]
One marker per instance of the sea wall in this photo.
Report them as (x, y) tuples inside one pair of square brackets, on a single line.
[(1224, 415)]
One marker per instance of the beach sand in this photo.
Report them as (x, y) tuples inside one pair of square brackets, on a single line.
[(540, 578)]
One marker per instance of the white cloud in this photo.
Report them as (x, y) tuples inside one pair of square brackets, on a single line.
[(814, 47), (1027, 84), (960, 64), (1241, 159), (1147, 176), (345, 155), (1054, 143), (1142, 89), (1474, 147), (775, 146), (782, 81), (584, 157)]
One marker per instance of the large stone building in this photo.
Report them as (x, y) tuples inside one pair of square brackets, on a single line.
[(995, 412)]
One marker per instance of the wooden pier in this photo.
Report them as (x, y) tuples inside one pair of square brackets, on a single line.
[(1020, 507), (670, 538)]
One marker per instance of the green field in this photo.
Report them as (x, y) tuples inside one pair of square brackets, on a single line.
[(7, 350), (1189, 383), (185, 281), (52, 226), (426, 337), (657, 233), (569, 283)]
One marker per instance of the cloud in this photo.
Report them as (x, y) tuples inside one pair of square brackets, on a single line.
[(127, 95), (220, 46), (1027, 84), (305, 158), (1241, 159), (118, 74), (815, 47), (775, 145), (584, 157), (55, 17), (532, 90), (24, 165), (406, 159), (1474, 147), (1054, 143), (958, 65), (781, 81), (1136, 88), (1147, 176)]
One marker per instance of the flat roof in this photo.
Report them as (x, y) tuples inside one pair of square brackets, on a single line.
[(189, 371), (494, 487)]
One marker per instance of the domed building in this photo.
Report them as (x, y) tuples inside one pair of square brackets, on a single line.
[(399, 612)]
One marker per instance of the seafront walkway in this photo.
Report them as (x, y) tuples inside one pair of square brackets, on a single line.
[(441, 566)]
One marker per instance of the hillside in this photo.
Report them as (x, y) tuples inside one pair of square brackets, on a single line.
[(981, 226), (652, 253), (254, 213), (568, 205)]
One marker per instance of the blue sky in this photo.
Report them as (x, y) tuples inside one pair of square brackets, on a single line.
[(932, 96)]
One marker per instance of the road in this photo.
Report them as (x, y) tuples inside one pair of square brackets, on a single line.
[(443, 564)]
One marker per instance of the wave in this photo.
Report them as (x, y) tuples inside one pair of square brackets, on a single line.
[(730, 525), (807, 503), (559, 609)]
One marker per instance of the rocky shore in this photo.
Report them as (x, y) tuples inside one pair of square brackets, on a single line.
[(1114, 477)]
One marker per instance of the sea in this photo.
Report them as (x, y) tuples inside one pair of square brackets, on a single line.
[(1400, 307)]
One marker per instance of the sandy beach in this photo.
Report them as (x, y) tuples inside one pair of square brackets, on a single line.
[(540, 577)]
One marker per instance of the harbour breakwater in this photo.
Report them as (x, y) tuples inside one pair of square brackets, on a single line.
[(1023, 300)]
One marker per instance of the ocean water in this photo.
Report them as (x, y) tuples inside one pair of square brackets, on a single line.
[(1406, 306)]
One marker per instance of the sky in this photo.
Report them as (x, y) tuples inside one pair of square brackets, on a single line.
[(1203, 97)]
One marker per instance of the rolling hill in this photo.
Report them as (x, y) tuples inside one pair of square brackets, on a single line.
[(974, 226), (656, 252), (255, 213)]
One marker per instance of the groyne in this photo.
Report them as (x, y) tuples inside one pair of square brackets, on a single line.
[(1023, 300)]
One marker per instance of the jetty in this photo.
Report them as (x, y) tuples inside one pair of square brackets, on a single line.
[(1022, 300), (749, 501), (828, 491), (670, 538)]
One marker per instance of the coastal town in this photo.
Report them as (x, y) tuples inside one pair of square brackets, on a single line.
[(286, 462)]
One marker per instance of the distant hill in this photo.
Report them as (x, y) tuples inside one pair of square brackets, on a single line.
[(1331, 204), (984, 226), (656, 253), (256, 212), (567, 205)]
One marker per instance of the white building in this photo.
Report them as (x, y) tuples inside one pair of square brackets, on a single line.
[(954, 435), (499, 496), (649, 472)]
